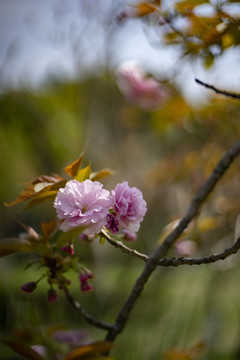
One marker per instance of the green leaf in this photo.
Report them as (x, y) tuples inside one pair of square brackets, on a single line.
[(84, 173), (69, 235), (13, 245), (23, 349), (208, 60)]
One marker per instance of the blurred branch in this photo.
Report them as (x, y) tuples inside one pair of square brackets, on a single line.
[(89, 318), (153, 260), (218, 91), (175, 261)]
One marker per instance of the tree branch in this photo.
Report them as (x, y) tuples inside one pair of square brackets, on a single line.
[(89, 318), (153, 260), (218, 91), (175, 261)]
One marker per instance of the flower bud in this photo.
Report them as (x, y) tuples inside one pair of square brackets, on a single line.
[(128, 236), (86, 287), (69, 248), (84, 277), (52, 296), (29, 287)]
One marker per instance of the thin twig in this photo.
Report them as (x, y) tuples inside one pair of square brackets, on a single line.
[(152, 263), (174, 261), (89, 318), (218, 91)]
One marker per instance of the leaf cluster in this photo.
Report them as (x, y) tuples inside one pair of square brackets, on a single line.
[(202, 28)]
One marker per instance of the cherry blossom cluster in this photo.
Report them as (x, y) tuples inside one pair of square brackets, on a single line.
[(88, 205)]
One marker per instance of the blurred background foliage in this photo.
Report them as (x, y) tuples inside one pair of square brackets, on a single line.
[(168, 153)]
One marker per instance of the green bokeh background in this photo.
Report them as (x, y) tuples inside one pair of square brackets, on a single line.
[(43, 131)]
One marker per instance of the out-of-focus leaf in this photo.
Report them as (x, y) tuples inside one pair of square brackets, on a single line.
[(69, 235), (23, 350), (35, 187), (12, 245), (84, 173), (182, 354), (101, 174), (207, 224), (145, 8), (48, 227), (208, 60), (90, 351), (73, 168), (31, 232), (46, 194), (188, 5)]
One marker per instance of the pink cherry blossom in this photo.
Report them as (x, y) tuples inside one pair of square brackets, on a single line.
[(129, 206), (83, 204), (139, 89)]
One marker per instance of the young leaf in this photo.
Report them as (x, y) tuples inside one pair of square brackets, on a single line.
[(89, 351), (101, 174), (69, 235), (13, 245), (46, 194), (145, 8), (84, 173), (23, 349), (73, 168), (35, 187), (48, 227)]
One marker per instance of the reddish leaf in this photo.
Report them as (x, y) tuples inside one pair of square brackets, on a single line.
[(31, 232), (33, 188), (90, 350), (73, 168), (48, 227), (46, 194), (23, 349)]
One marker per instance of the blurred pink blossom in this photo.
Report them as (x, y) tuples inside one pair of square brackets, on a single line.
[(185, 247), (84, 277), (140, 90), (84, 204), (129, 206)]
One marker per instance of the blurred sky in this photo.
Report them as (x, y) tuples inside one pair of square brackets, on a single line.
[(75, 38)]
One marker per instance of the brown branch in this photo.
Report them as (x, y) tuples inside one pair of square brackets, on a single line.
[(89, 318), (174, 261), (152, 263), (218, 91)]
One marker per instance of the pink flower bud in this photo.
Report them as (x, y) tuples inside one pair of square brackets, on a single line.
[(52, 296), (128, 236), (69, 248), (86, 287), (29, 287), (84, 277)]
